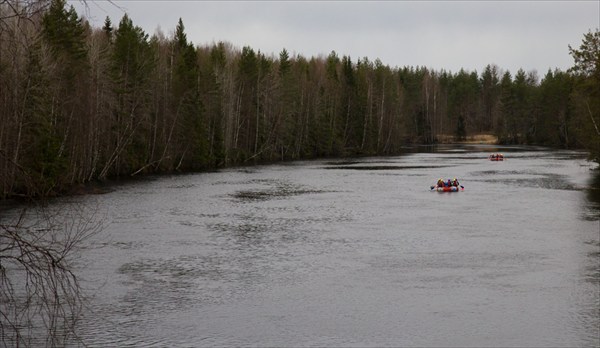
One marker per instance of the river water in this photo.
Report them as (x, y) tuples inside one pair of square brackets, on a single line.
[(354, 252)]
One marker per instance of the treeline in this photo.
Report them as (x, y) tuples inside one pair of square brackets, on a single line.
[(80, 104)]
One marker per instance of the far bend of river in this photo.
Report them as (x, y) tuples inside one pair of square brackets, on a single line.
[(354, 252)]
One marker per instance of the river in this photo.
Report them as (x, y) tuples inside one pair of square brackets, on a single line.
[(355, 252)]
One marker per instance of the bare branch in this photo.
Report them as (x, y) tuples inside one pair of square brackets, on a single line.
[(40, 295)]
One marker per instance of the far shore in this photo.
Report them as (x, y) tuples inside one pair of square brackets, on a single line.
[(471, 139)]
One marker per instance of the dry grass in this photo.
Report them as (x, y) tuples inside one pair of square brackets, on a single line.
[(471, 139)]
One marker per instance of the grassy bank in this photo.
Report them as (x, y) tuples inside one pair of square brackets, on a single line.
[(471, 139)]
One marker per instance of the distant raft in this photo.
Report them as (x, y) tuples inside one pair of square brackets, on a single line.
[(448, 188), (496, 157)]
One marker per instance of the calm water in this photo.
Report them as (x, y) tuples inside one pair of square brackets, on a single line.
[(353, 252)]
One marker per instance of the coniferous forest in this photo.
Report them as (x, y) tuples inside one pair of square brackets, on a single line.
[(80, 104)]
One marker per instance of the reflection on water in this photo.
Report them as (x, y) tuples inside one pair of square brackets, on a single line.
[(274, 191), (382, 167), (364, 255), (525, 179), (593, 195)]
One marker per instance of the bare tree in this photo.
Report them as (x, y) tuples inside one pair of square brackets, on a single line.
[(24, 9), (40, 295)]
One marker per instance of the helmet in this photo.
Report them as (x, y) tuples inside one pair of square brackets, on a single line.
[(454, 179)]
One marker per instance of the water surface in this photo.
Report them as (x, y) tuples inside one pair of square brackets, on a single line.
[(355, 252)]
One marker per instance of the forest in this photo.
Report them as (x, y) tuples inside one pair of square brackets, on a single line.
[(80, 104)]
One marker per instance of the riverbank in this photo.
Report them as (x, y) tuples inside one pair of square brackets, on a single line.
[(245, 246), (488, 139)]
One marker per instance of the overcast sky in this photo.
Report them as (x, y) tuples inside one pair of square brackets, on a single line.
[(450, 35)]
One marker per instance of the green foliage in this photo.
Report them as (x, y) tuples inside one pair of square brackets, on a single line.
[(553, 125), (187, 104), (587, 57), (284, 62), (505, 128), (43, 161), (463, 95), (64, 32), (217, 56), (586, 96), (107, 28), (62, 59), (490, 98), (132, 56), (248, 64), (331, 66), (131, 67), (95, 103)]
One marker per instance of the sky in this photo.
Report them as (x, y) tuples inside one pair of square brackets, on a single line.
[(440, 35)]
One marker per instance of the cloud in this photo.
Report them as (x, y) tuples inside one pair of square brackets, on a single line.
[(533, 35)]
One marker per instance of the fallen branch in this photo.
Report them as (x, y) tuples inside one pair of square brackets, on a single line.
[(148, 165), (592, 118)]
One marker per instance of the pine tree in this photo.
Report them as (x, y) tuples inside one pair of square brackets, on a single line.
[(506, 128), (64, 32), (554, 122), (42, 161), (490, 95), (587, 92), (192, 138), (108, 28), (284, 62), (65, 37), (131, 68)]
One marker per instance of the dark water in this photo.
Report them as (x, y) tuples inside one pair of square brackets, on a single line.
[(353, 252)]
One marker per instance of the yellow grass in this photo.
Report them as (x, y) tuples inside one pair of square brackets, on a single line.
[(471, 139)]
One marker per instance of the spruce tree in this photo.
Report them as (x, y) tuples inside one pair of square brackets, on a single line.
[(192, 143), (587, 92)]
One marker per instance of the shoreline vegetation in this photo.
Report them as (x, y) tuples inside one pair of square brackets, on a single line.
[(108, 185), (488, 139), (84, 105)]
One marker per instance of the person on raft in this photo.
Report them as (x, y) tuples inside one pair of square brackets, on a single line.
[(450, 183)]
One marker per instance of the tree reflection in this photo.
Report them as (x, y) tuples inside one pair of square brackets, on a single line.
[(593, 195)]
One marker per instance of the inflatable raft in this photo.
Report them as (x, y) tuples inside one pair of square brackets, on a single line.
[(496, 157), (448, 188)]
